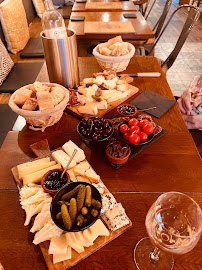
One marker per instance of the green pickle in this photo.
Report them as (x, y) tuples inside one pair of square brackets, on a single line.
[(79, 220), (59, 215), (66, 217), (73, 209), (84, 211), (71, 194), (96, 204), (81, 197), (94, 212), (88, 196)]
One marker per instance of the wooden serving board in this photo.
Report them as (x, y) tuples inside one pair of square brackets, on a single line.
[(111, 105), (108, 27), (103, 5), (76, 258)]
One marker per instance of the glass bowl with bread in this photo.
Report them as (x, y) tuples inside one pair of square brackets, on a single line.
[(114, 54), (76, 206), (41, 104)]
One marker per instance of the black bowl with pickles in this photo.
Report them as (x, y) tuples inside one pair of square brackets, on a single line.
[(73, 209)]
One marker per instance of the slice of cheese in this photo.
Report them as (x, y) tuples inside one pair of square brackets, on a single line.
[(37, 176), (81, 178), (30, 169), (71, 174), (31, 163), (73, 243), (119, 96), (102, 105), (61, 157), (88, 109), (80, 238), (58, 245), (109, 93), (69, 148), (98, 228), (122, 87), (62, 257), (89, 236), (85, 169)]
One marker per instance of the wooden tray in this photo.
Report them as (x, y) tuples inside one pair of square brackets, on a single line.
[(111, 106), (76, 258), (108, 27)]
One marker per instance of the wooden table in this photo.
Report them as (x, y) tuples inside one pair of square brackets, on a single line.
[(142, 29), (126, 6), (171, 163)]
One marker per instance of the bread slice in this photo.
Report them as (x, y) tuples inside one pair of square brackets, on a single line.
[(44, 100), (101, 45), (21, 96), (30, 104), (57, 95), (114, 40), (105, 51)]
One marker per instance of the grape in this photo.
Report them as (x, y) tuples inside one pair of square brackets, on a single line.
[(105, 124), (94, 137)]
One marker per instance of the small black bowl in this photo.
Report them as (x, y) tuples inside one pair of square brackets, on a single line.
[(90, 140), (55, 208), (120, 135)]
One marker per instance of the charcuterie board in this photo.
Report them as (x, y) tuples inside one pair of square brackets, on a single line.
[(111, 105), (38, 149)]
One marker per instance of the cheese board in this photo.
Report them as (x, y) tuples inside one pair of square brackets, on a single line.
[(108, 208)]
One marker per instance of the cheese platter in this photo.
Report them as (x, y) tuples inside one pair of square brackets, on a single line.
[(63, 249)]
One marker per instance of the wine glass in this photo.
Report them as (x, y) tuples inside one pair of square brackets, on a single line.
[(174, 225)]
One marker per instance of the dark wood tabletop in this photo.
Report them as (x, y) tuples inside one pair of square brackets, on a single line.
[(19, 253), (126, 6), (172, 163), (142, 29)]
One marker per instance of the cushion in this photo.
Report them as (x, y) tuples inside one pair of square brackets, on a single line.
[(39, 6), (6, 63), (14, 23)]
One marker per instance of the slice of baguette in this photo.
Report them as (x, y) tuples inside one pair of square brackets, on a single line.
[(21, 96), (44, 100), (114, 40)]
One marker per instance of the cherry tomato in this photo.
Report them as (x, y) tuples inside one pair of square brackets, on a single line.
[(133, 122), (135, 130), (134, 138), (143, 137), (126, 136), (143, 122), (124, 128), (148, 129)]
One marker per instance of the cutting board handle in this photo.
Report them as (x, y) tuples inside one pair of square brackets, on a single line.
[(41, 149)]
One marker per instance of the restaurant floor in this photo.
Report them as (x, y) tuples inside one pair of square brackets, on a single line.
[(189, 61)]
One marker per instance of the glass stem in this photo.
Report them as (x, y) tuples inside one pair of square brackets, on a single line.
[(154, 256)]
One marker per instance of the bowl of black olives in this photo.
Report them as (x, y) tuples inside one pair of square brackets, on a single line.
[(95, 129)]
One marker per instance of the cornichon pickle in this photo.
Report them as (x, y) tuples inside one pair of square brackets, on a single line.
[(63, 202), (79, 220), (66, 217), (73, 209), (94, 212), (59, 215), (84, 211), (96, 98), (80, 197), (88, 196), (96, 204), (69, 195)]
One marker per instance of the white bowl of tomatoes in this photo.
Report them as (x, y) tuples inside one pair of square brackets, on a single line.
[(135, 132)]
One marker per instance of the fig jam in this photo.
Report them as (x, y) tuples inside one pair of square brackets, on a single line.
[(54, 182), (127, 109)]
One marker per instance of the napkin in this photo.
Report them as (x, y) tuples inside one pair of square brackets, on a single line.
[(149, 99)]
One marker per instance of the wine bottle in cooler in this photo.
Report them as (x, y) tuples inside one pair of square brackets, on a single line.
[(52, 22)]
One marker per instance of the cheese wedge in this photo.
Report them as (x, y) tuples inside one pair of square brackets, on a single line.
[(119, 96), (89, 236), (81, 178), (62, 257), (69, 147), (80, 238), (85, 169), (73, 243), (109, 93), (58, 245), (27, 170), (88, 109), (98, 228), (37, 176), (32, 163), (71, 174), (102, 105), (62, 158)]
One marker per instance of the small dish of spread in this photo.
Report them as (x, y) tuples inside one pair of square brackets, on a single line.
[(117, 152), (51, 181), (127, 110)]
